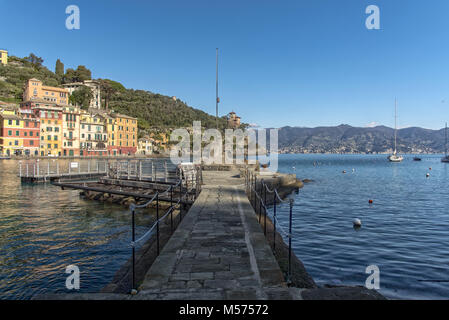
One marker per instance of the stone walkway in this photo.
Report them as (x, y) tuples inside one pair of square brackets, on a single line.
[(218, 252)]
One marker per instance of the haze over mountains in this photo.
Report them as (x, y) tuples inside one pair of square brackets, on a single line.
[(348, 139)]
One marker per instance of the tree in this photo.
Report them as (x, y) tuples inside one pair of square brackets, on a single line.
[(108, 89), (81, 97), (34, 60), (79, 75), (59, 69)]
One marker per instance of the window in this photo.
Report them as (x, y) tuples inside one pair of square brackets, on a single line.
[(31, 133), (17, 133), (17, 122), (31, 143), (42, 137), (49, 146), (48, 137), (25, 133), (9, 132), (55, 138), (56, 146), (16, 142), (10, 122)]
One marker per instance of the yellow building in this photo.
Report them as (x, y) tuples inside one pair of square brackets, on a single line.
[(50, 116), (34, 89), (122, 134), (11, 134), (3, 57)]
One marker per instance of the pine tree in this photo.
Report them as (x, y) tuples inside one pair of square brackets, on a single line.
[(59, 69)]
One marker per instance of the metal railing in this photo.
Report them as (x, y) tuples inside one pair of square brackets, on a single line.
[(38, 169), (184, 193), (259, 203)]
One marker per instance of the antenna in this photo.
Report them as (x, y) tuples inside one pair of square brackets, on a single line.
[(217, 100)]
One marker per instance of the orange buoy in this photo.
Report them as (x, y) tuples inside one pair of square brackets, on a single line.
[(370, 201)]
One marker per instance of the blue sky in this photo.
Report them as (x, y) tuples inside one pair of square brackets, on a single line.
[(297, 63)]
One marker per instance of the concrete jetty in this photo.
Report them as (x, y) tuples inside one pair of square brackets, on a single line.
[(219, 250)]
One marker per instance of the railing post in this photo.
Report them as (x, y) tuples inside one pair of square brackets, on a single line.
[(157, 222), (133, 250), (48, 169), (152, 171), (255, 197), (37, 169), (140, 170), (290, 242), (265, 211), (171, 207), (79, 167), (260, 200), (20, 168), (88, 166), (274, 221), (128, 169), (57, 168), (98, 166), (180, 199), (165, 171), (27, 169)]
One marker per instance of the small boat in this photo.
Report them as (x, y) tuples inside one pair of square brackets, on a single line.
[(417, 159), (446, 156), (395, 157)]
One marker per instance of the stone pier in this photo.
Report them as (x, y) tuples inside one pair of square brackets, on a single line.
[(219, 250)]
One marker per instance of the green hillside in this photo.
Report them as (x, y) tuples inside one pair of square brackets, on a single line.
[(152, 109)]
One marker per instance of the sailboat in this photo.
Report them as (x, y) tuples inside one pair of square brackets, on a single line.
[(446, 156), (395, 157)]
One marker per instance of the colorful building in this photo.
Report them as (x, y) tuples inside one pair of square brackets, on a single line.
[(50, 125), (35, 90), (93, 135), (11, 134), (122, 134), (145, 146), (3, 57), (93, 85), (70, 131)]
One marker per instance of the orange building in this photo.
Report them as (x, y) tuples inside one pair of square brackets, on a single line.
[(122, 134), (34, 89)]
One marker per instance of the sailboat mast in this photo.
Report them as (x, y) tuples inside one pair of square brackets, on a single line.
[(445, 143), (395, 124)]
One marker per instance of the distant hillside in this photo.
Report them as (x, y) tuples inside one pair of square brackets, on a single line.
[(152, 109), (347, 139)]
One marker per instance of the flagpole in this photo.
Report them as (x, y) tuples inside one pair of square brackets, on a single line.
[(216, 91)]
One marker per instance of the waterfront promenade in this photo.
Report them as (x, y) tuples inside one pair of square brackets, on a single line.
[(219, 250)]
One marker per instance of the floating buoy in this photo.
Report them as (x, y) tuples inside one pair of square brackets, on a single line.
[(344, 171), (427, 174), (370, 201), (357, 223), (430, 168)]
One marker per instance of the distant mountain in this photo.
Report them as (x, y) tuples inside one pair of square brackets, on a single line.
[(348, 139)]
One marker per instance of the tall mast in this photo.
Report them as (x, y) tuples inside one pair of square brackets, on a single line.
[(216, 91), (445, 144), (395, 123)]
